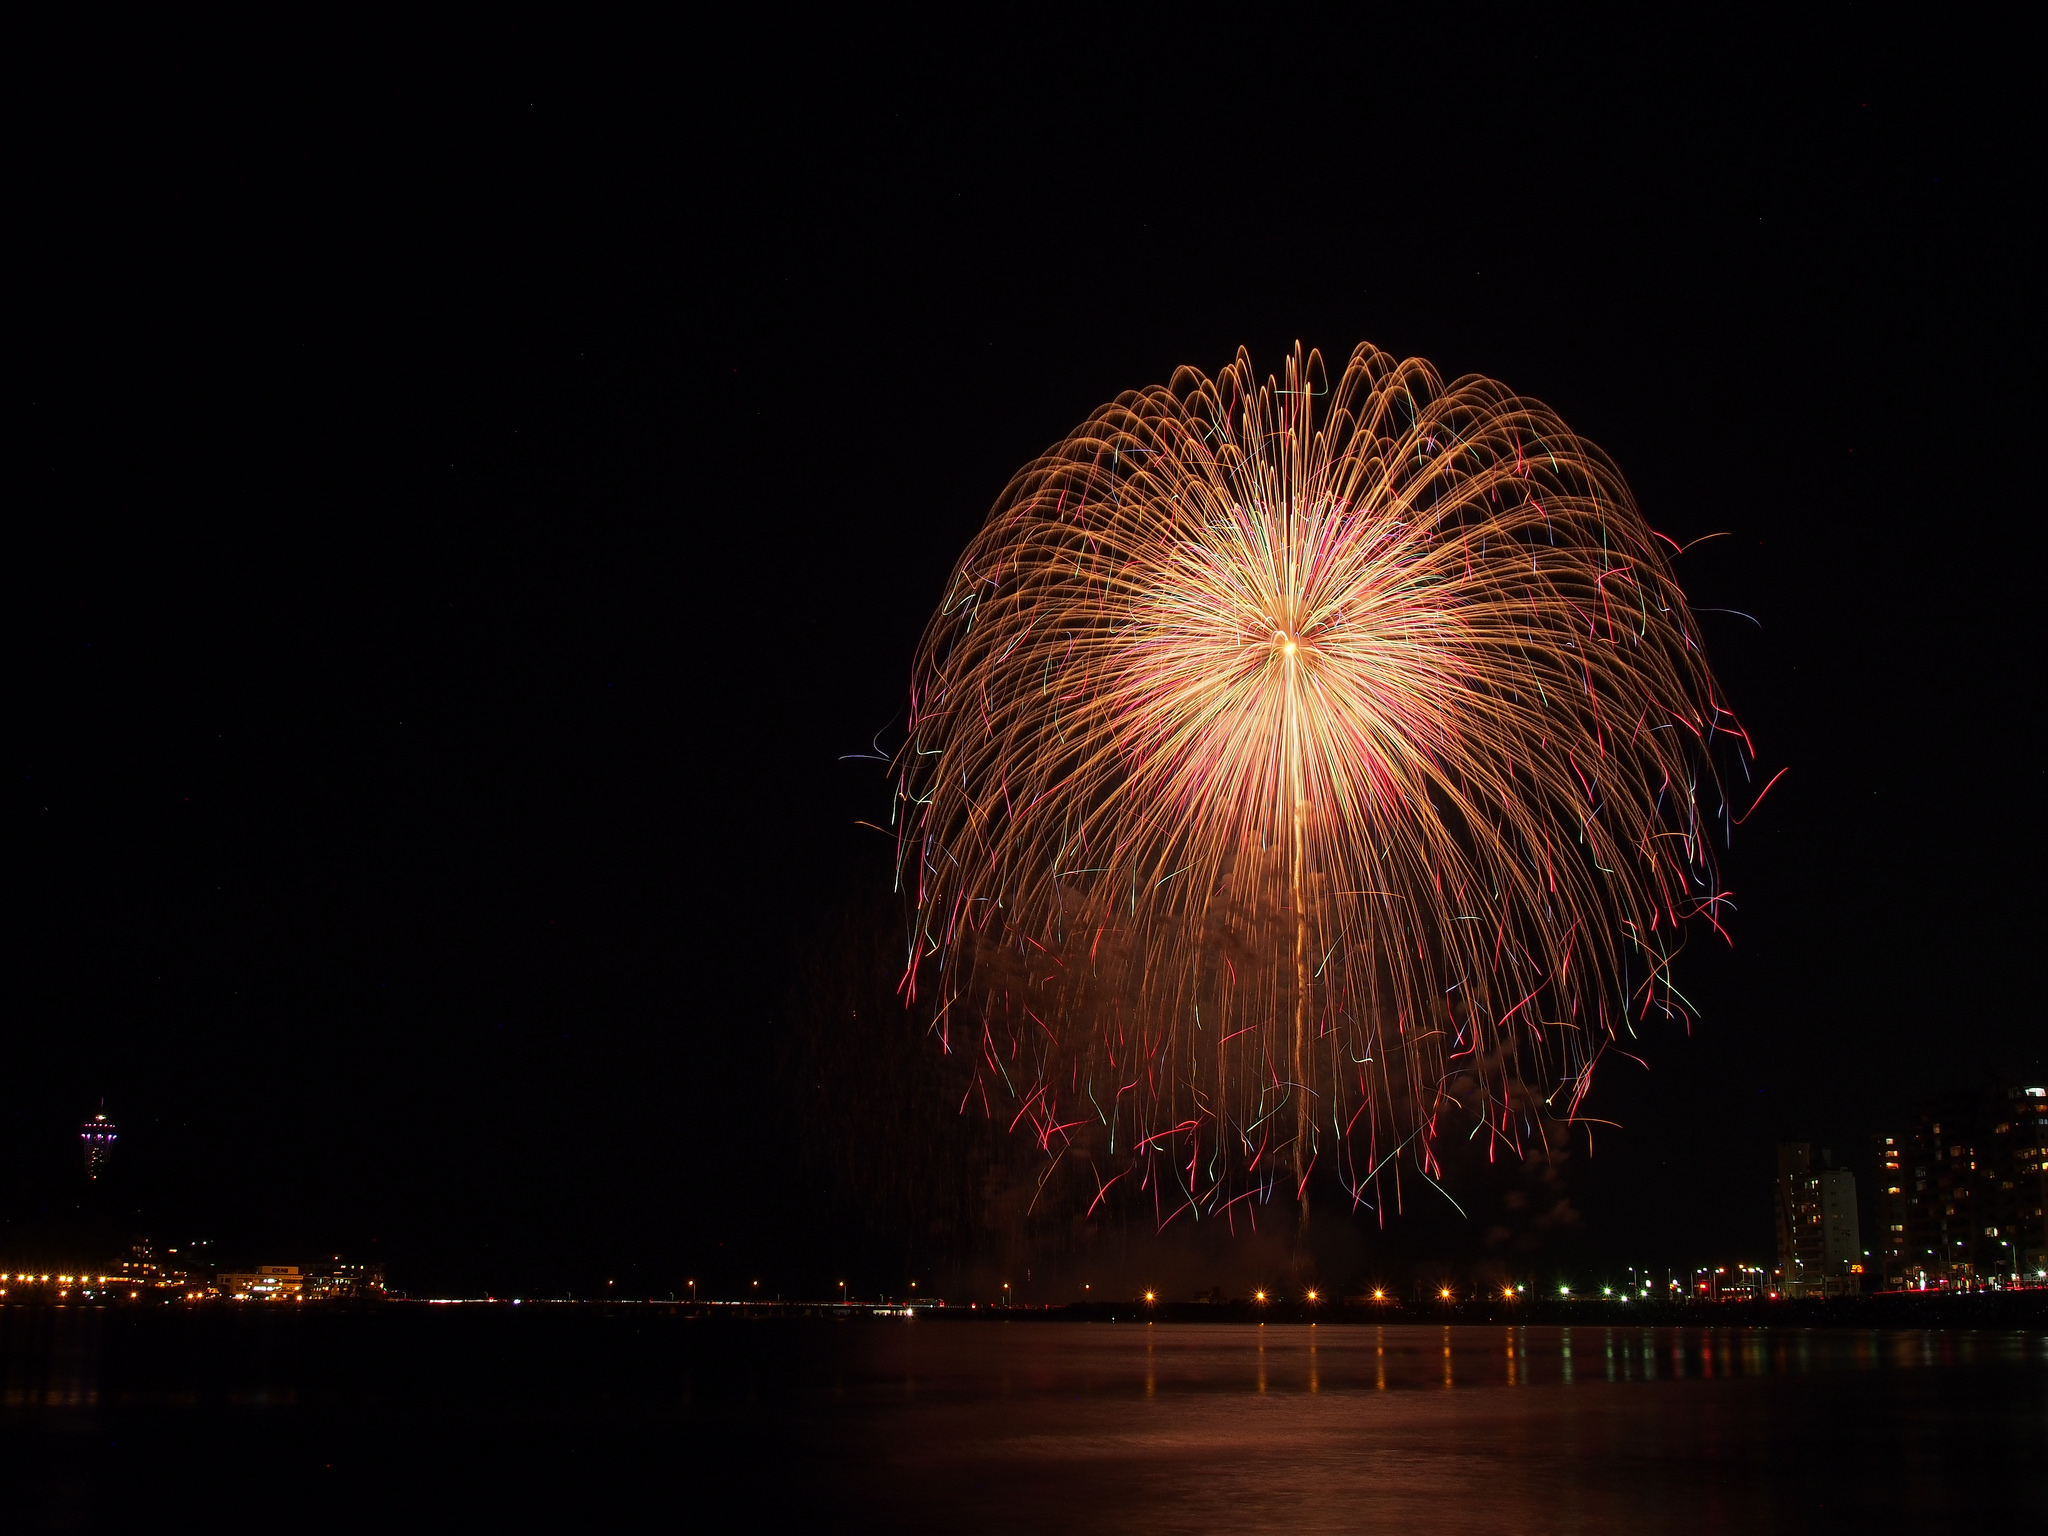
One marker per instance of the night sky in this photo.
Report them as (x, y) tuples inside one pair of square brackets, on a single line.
[(468, 521)]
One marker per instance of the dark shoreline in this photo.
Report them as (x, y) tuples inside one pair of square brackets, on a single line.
[(1994, 1309), (1898, 1309), (1904, 1309)]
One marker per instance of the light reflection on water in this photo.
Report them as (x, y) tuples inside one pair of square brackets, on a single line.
[(1033, 1356), (998, 1426), (1422, 1427)]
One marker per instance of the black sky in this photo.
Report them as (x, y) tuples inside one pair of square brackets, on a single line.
[(465, 509)]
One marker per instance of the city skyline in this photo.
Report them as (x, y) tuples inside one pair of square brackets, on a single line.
[(1834, 1235)]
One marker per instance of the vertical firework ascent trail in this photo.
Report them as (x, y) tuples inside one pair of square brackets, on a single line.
[(1299, 776)]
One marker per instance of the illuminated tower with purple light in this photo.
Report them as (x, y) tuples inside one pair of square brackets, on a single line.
[(98, 1136)]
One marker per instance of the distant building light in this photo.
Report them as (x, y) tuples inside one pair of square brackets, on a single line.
[(98, 1137)]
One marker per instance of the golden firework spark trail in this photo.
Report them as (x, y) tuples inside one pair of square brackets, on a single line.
[(1302, 774)]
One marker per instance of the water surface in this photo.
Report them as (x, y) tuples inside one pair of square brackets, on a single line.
[(1418, 1428), (523, 1417)]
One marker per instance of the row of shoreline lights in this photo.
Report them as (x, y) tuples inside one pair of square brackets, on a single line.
[(1509, 1294), (65, 1280), (1444, 1293)]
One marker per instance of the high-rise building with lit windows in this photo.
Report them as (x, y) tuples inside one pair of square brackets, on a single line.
[(2024, 1187), (1820, 1243), (1975, 1166), (1893, 1180), (98, 1136)]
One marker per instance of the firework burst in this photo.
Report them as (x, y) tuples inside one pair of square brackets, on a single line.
[(1300, 774)]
